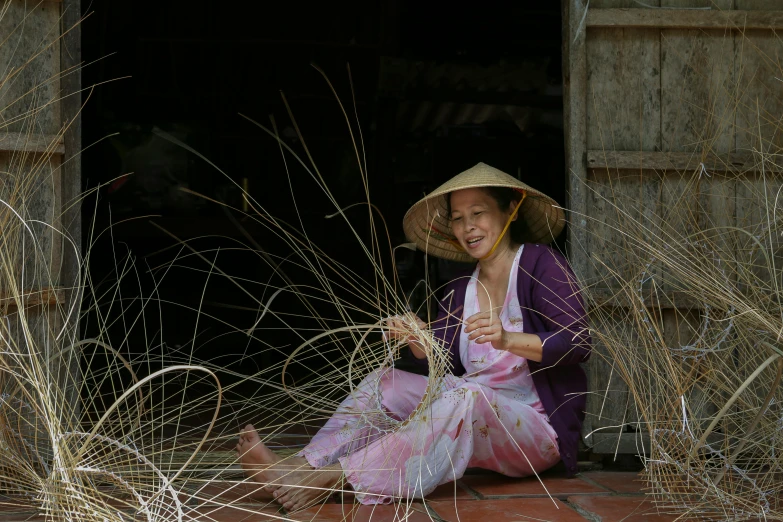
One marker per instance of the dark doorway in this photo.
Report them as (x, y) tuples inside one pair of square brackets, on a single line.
[(435, 88)]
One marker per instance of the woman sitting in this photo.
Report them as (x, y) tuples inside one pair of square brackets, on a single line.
[(516, 332)]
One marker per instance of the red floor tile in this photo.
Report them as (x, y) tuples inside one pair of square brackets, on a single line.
[(617, 509), (357, 513), (617, 481), (223, 491), (449, 492), (492, 486), (520, 509), (235, 513), (447, 498)]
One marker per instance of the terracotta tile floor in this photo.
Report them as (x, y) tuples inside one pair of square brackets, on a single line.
[(509, 509), (616, 481), (357, 513), (616, 509), (497, 486), (594, 495), (605, 496)]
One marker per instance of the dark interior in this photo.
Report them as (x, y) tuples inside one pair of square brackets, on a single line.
[(433, 87)]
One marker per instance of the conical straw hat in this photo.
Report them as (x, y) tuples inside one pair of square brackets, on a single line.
[(427, 223)]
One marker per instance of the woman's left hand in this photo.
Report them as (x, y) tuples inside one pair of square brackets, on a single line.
[(486, 327)]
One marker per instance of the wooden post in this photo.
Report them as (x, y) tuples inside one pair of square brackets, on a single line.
[(575, 123), (70, 276)]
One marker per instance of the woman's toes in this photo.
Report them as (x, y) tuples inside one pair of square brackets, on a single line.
[(287, 499)]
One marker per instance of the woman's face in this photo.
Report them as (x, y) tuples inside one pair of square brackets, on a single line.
[(476, 221)]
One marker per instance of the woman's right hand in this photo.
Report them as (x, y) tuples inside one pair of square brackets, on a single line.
[(399, 327)]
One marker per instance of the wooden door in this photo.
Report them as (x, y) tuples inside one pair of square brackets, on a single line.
[(40, 224), (655, 91)]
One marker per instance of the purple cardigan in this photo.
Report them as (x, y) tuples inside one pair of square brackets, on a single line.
[(552, 308)]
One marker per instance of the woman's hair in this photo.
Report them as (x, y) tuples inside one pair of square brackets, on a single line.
[(503, 197)]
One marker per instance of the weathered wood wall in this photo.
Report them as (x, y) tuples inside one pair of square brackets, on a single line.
[(40, 176), (649, 86)]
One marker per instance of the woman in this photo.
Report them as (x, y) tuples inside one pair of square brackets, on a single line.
[(515, 402)]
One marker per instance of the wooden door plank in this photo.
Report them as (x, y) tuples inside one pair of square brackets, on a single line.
[(72, 149), (36, 143), (686, 333), (737, 162), (575, 121), (617, 4), (31, 49), (697, 77), (623, 113), (605, 296), (758, 5), (707, 5), (759, 109), (698, 117), (759, 117), (31, 299), (623, 110), (642, 18)]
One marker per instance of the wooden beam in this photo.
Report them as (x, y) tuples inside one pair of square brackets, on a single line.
[(679, 161), (621, 443), (615, 298), (22, 142), (71, 187), (44, 297), (629, 443), (684, 18), (575, 123), (71, 172)]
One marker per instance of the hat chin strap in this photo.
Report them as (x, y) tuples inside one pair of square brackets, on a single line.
[(508, 224)]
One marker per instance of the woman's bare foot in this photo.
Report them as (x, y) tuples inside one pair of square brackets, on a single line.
[(257, 460), (292, 482), (312, 486)]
